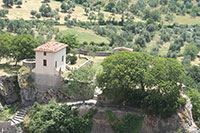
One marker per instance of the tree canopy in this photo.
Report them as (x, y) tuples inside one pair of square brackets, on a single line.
[(154, 79), (23, 47), (55, 118), (70, 40)]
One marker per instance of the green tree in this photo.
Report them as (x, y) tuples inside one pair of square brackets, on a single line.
[(8, 3), (84, 74), (6, 41), (109, 6), (55, 118), (70, 40), (19, 3), (23, 47), (64, 7), (141, 80), (191, 50), (194, 96), (33, 13), (194, 73)]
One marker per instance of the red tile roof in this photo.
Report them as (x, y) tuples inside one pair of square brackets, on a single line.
[(51, 47)]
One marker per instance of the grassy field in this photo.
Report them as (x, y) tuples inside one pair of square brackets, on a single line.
[(84, 35), (187, 19)]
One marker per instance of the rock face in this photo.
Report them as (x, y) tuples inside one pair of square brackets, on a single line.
[(181, 120), (30, 94), (8, 89), (154, 124), (6, 127)]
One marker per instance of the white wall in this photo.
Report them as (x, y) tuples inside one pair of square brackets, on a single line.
[(58, 57), (48, 76), (51, 58)]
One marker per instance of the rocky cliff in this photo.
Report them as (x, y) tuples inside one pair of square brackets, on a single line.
[(30, 94), (181, 120), (8, 89)]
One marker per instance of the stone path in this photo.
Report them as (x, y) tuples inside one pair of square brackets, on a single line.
[(19, 116)]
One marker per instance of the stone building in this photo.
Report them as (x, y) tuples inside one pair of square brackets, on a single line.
[(50, 64)]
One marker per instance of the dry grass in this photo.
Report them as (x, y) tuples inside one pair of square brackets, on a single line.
[(187, 19), (8, 68)]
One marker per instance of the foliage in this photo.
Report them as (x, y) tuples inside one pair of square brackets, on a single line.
[(125, 73), (130, 123), (8, 3), (8, 112), (70, 40), (194, 73), (72, 59), (191, 50), (84, 74), (23, 47), (53, 118), (3, 13), (194, 96), (6, 41)]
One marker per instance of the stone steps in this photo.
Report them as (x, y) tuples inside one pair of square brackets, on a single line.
[(19, 116)]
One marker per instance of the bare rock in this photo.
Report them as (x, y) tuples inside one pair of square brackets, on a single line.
[(8, 89), (182, 119)]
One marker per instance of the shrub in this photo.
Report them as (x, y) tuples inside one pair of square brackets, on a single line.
[(130, 123), (53, 118), (73, 59)]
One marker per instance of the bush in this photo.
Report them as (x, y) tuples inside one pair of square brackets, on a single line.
[(130, 123), (194, 96), (55, 118), (191, 50), (73, 59)]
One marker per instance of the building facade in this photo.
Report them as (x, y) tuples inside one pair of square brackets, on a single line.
[(50, 63)]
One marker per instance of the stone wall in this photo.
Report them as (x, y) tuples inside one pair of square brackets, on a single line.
[(29, 63)]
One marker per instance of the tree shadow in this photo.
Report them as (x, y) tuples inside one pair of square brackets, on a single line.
[(9, 69)]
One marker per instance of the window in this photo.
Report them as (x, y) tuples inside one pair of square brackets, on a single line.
[(44, 62), (62, 58), (56, 64), (45, 53)]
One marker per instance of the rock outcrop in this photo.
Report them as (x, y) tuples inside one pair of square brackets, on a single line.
[(8, 86), (153, 124), (181, 120), (30, 93), (6, 127)]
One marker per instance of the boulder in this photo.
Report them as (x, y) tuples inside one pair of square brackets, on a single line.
[(6, 127), (8, 86)]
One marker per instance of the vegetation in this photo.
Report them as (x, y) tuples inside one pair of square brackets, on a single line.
[(58, 118), (130, 123), (141, 80), (84, 74), (194, 96), (7, 112)]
